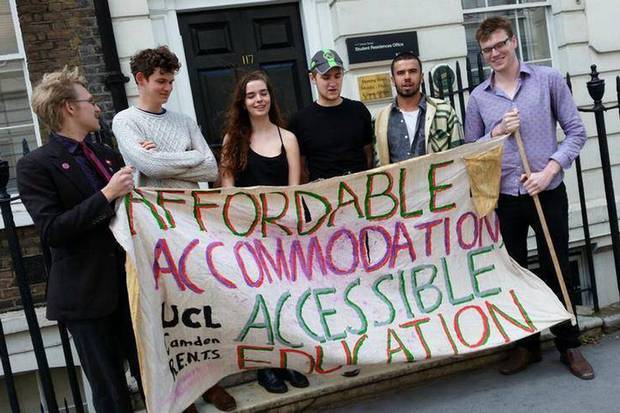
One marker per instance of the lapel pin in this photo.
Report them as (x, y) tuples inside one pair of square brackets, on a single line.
[(65, 165)]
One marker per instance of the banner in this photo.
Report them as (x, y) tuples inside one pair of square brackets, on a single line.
[(386, 266)]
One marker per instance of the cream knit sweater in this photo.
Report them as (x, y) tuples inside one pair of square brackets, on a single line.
[(181, 158)]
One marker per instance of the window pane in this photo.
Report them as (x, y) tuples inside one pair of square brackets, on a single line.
[(501, 2), (8, 41), (534, 38), (532, 30), (473, 4), (15, 116), (472, 21)]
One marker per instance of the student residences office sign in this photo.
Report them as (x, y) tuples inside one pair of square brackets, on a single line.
[(385, 266), (380, 47)]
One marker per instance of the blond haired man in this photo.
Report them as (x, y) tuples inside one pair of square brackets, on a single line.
[(69, 187)]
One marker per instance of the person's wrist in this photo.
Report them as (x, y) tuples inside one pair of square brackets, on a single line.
[(553, 167), (497, 131), (109, 194)]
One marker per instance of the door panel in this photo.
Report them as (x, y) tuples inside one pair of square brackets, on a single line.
[(214, 87), (223, 45), (273, 33), (284, 78), (212, 38)]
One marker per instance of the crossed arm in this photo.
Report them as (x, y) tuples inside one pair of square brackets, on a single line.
[(194, 165)]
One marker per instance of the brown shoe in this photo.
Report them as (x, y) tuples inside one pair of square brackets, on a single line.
[(577, 364), (518, 360), (220, 398), (191, 409)]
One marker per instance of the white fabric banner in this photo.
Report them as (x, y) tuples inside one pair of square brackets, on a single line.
[(385, 266)]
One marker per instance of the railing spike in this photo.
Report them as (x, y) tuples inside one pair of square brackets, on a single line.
[(460, 91), (25, 148), (470, 79)]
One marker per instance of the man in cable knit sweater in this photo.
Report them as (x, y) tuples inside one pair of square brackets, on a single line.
[(166, 149)]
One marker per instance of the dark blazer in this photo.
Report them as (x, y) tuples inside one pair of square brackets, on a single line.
[(86, 275)]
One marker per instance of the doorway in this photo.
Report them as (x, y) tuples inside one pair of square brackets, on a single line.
[(222, 45)]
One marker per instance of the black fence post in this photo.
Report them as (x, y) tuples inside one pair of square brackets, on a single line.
[(24, 291), (431, 87), (460, 90), (596, 89), (8, 373), (25, 148), (585, 224), (470, 79), (73, 381), (480, 68)]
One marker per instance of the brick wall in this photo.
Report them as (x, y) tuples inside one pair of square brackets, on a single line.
[(31, 250), (55, 33), (65, 32)]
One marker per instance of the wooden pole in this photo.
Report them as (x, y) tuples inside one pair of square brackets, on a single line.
[(545, 228)]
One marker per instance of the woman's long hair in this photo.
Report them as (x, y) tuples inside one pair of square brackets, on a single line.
[(239, 128)]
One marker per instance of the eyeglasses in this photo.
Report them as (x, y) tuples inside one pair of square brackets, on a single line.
[(499, 46), (90, 100)]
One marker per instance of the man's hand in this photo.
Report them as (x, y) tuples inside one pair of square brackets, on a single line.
[(510, 123), (120, 184), (148, 145), (539, 181)]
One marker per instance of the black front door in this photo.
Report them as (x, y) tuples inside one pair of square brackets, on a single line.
[(220, 46)]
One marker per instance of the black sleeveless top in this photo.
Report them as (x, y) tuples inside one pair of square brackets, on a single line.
[(264, 170)]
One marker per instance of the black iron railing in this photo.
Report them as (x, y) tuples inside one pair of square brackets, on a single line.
[(596, 89), (44, 372)]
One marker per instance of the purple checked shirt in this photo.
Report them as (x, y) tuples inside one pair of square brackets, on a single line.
[(542, 98)]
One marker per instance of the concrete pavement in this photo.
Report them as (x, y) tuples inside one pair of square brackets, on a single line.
[(543, 387)]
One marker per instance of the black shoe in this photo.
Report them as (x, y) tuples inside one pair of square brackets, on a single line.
[(294, 377), (270, 381)]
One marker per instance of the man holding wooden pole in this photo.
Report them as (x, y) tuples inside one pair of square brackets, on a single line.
[(527, 102)]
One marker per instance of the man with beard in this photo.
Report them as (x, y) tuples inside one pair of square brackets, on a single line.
[(414, 124)]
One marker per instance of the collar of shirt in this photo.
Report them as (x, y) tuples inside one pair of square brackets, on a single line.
[(421, 106), (524, 71), (71, 145), (161, 112)]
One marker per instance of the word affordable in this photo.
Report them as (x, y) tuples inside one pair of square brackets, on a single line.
[(385, 266)]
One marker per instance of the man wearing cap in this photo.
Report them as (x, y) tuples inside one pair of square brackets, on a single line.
[(334, 133), (414, 124)]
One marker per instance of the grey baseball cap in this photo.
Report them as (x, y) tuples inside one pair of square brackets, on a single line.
[(325, 59)]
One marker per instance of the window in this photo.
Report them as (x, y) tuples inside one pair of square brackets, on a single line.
[(18, 127), (581, 279), (529, 22)]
